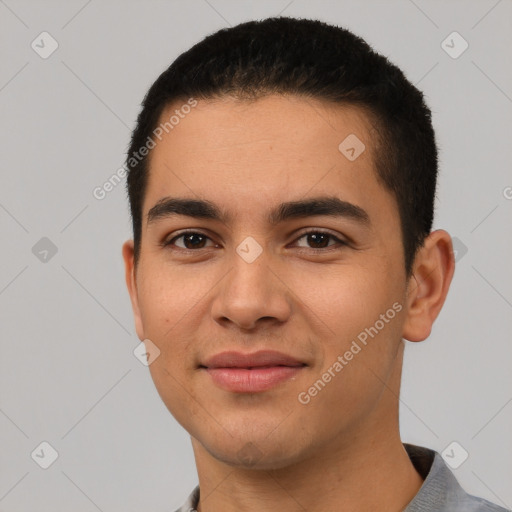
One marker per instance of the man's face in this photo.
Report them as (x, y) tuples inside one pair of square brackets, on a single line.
[(308, 296)]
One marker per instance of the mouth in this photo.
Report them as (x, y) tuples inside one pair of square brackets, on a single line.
[(251, 373)]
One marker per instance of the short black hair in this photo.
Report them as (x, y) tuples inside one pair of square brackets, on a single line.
[(312, 59)]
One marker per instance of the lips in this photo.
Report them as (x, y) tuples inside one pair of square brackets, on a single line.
[(251, 373), (263, 358)]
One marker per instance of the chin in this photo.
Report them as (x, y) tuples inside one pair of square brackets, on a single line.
[(255, 450), (252, 456)]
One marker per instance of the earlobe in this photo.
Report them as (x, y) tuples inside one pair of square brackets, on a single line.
[(131, 284), (432, 274)]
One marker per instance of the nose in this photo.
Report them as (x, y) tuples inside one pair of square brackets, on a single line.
[(251, 294)]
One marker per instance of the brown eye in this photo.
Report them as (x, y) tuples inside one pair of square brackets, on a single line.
[(191, 240), (319, 240)]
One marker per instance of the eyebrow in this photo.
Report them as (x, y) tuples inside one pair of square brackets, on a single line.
[(202, 209)]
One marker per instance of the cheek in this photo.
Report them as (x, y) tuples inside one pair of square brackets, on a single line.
[(354, 313), (339, 301), (166, 304), (166, 294), (164, 308)]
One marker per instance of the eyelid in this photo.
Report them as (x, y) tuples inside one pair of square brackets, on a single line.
[(340, 241), (170, 241), (307, 231)]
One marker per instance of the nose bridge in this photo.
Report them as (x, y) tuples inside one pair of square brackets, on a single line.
[(250, 291), (250, 275)]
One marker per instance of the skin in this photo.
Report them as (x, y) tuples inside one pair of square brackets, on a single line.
[(342, 450)]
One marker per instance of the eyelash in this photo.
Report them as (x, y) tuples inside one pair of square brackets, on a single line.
[(302, 235)]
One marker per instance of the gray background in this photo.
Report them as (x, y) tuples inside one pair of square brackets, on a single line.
[(68, 373)]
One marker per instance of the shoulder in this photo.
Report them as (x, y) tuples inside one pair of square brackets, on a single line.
[(476, 504), (471, 503)]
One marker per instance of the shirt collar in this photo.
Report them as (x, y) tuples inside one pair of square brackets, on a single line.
[(440, 491)]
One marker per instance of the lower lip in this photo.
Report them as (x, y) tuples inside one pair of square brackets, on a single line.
[(244, 380)]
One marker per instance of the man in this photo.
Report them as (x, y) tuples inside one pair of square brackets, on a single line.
[(281, 181)]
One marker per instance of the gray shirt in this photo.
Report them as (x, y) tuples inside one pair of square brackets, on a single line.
[(440, 491)]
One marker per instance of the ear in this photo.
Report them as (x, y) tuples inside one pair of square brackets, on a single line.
[(428, 286), (131, 283)]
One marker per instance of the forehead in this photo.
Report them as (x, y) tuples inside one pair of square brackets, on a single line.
[(293, 122), (234, 152)]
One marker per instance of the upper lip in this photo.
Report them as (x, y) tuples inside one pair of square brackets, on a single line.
[(232, 359)]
